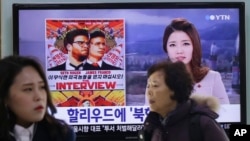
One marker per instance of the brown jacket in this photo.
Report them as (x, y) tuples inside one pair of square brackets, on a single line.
[(176, 126)]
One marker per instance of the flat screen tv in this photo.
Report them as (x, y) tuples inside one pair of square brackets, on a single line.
[(109, 104)]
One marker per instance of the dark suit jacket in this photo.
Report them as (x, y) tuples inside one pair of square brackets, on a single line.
[(105, 66), (58, 68)]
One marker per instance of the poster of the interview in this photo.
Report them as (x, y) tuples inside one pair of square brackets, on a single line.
[(103, 85)]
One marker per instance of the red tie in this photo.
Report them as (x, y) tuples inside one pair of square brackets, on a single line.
[(95, 64)]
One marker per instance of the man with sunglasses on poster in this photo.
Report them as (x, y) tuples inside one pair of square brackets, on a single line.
[(76, 43)]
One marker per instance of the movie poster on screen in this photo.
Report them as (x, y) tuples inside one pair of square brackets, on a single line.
[(103, 85)]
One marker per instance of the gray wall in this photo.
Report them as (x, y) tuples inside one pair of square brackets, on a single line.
[(6, 26)]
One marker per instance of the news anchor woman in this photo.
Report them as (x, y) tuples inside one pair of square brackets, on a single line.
[(26, 108), (181, 42)]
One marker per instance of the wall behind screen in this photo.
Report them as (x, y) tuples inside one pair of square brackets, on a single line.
[(6, 26)]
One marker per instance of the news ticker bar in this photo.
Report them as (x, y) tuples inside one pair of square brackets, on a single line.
[(239, 132), (236, 132)]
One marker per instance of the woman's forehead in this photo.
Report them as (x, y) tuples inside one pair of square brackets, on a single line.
[(156, 75)]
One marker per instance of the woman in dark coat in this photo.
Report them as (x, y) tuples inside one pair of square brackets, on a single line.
[(26, 108), (168, 92)]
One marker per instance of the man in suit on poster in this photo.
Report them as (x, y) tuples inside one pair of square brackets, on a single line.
[(97, 49), (76, 43)]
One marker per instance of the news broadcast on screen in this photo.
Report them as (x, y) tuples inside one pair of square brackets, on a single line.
[(113, 100)]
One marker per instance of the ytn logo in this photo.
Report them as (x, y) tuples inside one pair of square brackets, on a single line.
[(218, 17)]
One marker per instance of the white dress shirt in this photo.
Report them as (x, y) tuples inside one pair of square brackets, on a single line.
[(23, 134), (69, 67)]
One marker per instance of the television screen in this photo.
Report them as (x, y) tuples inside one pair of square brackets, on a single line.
[(108, 98)]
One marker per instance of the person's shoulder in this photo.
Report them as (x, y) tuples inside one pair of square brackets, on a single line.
[(60, 129), (204, 113), (70, 135), (211, 129), (58, 67), (111, 67), (205, 106), (213, 73), (211, 76), (210, 102)]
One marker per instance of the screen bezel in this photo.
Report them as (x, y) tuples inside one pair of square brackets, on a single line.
[(16, 7)]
